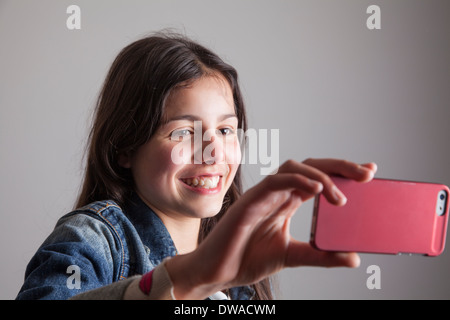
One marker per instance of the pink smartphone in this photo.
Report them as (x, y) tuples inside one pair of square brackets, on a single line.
[(383, 216)]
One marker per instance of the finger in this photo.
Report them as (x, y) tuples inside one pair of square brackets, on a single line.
[(270, 194), (347, 169), (371, 166), (291, 181), (330, 191), (302, 254)]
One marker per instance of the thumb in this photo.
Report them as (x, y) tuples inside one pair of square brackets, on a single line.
[(303, 254)]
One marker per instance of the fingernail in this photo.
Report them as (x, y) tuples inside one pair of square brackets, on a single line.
[(338, 195), (316, 184), (357, 262), (351, 260), (364, 170), (371, 174)]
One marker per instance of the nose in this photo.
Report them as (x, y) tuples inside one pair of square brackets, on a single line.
[(213, 147), (210, 149)]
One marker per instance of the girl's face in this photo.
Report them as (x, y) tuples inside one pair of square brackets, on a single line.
[(181, 172)]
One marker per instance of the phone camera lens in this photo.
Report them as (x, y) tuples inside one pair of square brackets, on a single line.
[(442, 196)]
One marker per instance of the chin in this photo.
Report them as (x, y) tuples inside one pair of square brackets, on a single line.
[(206, 212), (209, 213)]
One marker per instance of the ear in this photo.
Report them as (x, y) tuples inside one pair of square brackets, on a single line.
[(124, 160)]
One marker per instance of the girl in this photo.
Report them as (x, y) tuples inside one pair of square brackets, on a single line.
[(152, 223)]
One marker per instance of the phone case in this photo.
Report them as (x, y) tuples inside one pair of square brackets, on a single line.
[(383, 216)]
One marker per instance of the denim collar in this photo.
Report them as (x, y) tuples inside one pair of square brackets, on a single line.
[(151, 229)]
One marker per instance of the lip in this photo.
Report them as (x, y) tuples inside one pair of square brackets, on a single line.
[(203, 191)]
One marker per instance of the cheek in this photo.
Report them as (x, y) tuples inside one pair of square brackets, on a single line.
[(164, 166), (233, 159), (180, 153), (154, 165)]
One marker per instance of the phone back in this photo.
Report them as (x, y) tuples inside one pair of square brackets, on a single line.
[(383, 216)]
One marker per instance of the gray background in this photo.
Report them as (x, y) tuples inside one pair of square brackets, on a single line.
[(309, 68)]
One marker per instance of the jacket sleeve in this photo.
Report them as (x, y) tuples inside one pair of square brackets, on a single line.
[(114, 291), (81, 254)]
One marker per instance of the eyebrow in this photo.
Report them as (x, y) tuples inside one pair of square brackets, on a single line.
[(195, 118)]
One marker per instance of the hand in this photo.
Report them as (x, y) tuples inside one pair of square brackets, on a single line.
[(253, 241)]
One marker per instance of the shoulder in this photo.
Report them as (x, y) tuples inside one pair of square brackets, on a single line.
[(96, 226), (90, 238), (95, 219), (100, 210), (103, 225)]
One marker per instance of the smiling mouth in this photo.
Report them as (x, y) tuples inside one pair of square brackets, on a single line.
[(203, 182)]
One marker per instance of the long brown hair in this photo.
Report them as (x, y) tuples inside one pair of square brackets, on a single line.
[(130, 108)]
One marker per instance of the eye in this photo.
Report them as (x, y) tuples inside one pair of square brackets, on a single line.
[(226, 131), (177, 134), (183, 132)]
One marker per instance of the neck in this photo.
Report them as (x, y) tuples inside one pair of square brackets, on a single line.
[(184, 232)]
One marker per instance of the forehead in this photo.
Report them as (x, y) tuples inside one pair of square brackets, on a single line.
[(210, 95)]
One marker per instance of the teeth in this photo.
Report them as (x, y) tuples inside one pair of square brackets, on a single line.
[(203, 182)]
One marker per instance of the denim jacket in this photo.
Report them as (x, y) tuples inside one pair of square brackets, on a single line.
[(98, 245)]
